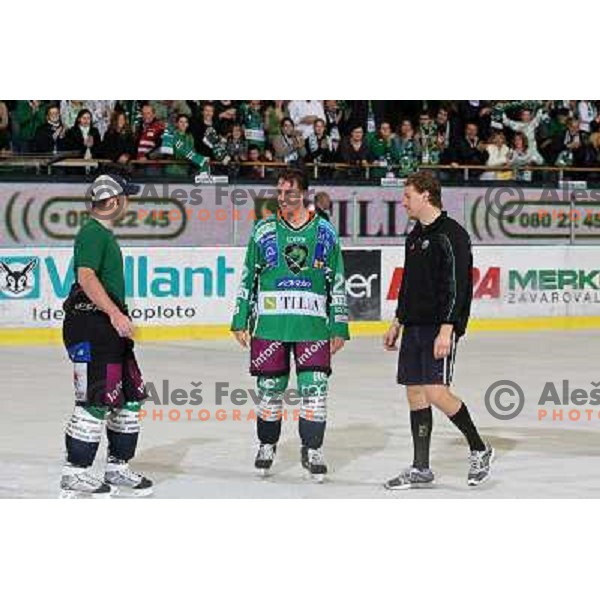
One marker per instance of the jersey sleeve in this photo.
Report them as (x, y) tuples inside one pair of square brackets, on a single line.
[(455, 284), (89, 249), (401, 305), (338, 303), (247, 288)]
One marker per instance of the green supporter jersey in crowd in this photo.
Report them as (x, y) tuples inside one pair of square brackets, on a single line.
[(253, 123), (96, 247), (293, 287)]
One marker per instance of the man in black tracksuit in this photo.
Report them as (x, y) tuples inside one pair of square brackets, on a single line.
[(433, 307)]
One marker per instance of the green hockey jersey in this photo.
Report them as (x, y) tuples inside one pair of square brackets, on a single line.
[(293, 287)]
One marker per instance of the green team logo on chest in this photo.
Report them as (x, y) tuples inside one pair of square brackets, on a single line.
[(296, 257)]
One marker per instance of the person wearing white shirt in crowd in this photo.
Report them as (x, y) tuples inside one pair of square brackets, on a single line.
[(498, 153), (304, 113), (527, 126), (586, 113)]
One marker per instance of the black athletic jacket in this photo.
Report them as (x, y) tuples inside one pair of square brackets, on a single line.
[(437, 286)]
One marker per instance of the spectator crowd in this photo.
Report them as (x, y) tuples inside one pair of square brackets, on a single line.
[(391, 137)]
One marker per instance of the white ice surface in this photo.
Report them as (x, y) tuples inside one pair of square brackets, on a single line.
[(368, 437)]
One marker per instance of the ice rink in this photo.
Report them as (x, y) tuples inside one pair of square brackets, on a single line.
[(368, 437)]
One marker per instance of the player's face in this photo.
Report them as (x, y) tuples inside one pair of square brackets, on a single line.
[(289, 197), (324, 203), (413, 201), (121, 204)]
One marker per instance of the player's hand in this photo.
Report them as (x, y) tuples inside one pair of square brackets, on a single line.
[(122, 324), (337, 343), (391, 337), (242, 336), (442, 344)]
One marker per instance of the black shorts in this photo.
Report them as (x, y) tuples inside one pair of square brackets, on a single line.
[(106, 372), (416, 364)]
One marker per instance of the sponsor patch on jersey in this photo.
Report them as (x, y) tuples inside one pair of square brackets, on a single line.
[(325, 243), (292, 303), (297, 239), (293, 283), (269, 303), (268, 246)]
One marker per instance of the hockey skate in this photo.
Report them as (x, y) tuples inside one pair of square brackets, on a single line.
[(314, 463), (80, 482), (264, 458), (480, 466), (411, 478), (126, 482)]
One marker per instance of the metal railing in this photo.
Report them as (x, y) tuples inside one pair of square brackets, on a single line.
[(53, 164)]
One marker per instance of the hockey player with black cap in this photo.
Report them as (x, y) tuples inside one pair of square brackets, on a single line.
[(97, 333)]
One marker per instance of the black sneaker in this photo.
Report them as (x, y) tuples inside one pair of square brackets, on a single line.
[(411, 478), (480, 465)]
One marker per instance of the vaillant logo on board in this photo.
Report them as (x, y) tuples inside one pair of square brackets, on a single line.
[(22, 278)]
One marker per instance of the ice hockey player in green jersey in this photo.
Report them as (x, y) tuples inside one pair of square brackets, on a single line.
[(292, 299)]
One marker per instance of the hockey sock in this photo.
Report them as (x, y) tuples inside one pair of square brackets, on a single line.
[(462, 419), (123, 430), (268, 422), (312, 386), (82, 436), (421, 423)]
